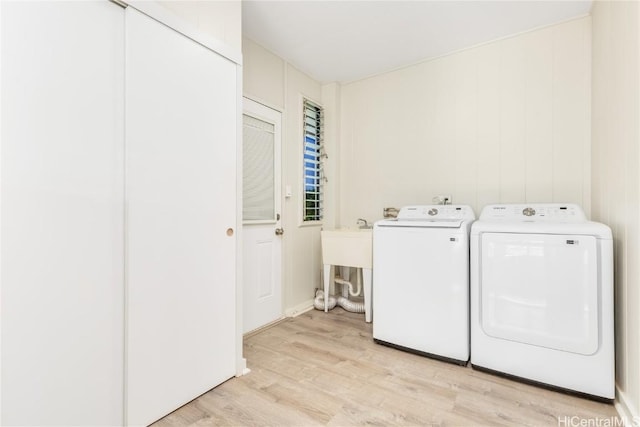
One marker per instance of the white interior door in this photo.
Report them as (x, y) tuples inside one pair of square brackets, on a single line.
[(181, 128), (261, 207), (62, 213)]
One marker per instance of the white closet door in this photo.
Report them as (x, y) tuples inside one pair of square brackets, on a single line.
[(181, 200), (62, 213)]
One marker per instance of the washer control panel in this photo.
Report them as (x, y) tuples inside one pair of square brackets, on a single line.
[(436, 212), (535, 212)]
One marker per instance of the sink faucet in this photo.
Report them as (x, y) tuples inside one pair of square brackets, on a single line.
[(363, 223)]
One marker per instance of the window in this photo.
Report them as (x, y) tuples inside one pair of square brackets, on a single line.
[(258, 181), (313, 155)]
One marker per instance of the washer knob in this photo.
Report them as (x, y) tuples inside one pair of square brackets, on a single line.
[(433, 211), (528, 212)]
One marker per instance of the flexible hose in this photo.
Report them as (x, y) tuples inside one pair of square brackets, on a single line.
[(318, 302), (347, 304), (353, 306)]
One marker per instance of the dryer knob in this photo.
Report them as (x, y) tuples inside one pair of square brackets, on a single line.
[(528, 212), (433, 211)]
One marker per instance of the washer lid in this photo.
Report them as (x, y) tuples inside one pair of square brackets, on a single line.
[(436, 212), (420, 223)]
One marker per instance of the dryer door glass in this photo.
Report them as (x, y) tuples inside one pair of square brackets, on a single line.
[(541, 289)]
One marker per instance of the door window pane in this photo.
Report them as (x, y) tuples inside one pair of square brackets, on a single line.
[(258, 177)]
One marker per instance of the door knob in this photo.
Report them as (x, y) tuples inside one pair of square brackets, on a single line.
[(279, 231)]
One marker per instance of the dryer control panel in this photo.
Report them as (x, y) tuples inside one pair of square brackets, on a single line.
[(436, 212), (556, 212)]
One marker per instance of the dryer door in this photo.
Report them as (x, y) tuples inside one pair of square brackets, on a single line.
[(541, 289)]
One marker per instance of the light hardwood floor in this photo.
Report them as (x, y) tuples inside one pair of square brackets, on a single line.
[(324, 369)]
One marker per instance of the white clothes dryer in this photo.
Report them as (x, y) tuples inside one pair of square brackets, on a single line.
[(421, 281), (542, 297)]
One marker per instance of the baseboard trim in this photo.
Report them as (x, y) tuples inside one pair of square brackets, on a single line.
[(299, 309), (262, 328), (290, 312), (627, 412), (241, 367)]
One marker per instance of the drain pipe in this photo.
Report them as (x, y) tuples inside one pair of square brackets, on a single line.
[(348, 285)]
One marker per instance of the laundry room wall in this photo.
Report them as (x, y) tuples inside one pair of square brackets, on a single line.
[(616, 176), (331, 100), (272, 81), (504, 122)]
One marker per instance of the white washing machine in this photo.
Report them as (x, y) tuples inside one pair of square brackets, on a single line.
[(421, 281), (542, 297)]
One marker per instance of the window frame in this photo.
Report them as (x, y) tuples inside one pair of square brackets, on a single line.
[(302, 205)]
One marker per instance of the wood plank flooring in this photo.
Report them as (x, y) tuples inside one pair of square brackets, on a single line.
[(324, 369)]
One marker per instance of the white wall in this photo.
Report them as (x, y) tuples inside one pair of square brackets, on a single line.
[(221, 19), (616, 178), (263, 77), (270, 80), (331, 99), (505, 122)]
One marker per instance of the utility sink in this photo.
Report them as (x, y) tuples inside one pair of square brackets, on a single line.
[(350, 247)]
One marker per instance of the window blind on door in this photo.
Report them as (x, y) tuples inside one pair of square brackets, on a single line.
[(258, 184)]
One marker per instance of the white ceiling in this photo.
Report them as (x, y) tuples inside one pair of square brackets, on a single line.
[(348, 40)]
